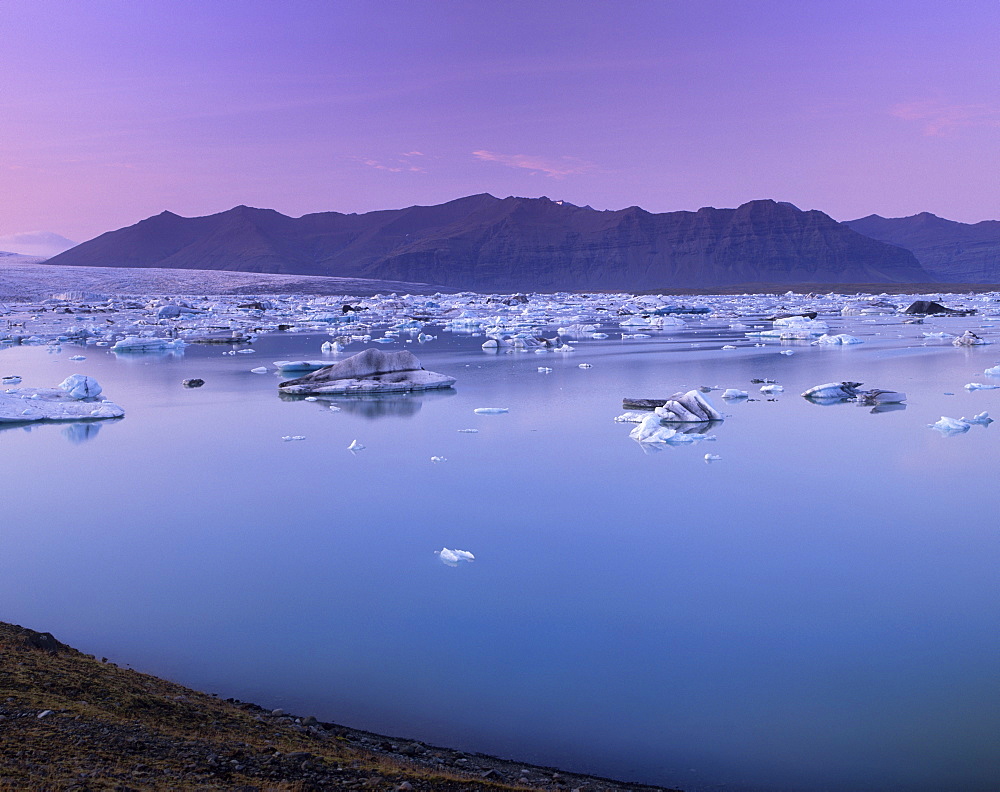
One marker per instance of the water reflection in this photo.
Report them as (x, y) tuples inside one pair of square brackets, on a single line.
[(81, 432), (76, 432), (374, 406)]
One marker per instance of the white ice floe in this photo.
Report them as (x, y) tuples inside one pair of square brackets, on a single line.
[(632, 416), (544, 370), (585, 365), (137, 344), (968, 338), (771, 388), (468, 431), (842, 339), (787, 352), (78, 357), (287, 438), (733, 393), (712, 457), (259, 370), (980, 386), (439, 459), (992, 372), (74, 400), (355, 446), (953, 426), (491, 410), (728, 347), (300, 365), (370, 372), (453, 557)]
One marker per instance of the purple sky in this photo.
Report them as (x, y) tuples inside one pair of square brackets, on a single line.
[(114, 110)]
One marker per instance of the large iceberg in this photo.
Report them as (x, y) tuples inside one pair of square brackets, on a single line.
[(370, 372), (76, 399)]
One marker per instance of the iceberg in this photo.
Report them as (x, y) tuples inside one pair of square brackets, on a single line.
[(953, 426), (690, 407), (839, 339), (137, 344), (75, 399), (370, 372), (968, 338)]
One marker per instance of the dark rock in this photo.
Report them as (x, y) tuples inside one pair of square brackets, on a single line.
[(194, 382), (45, 641), (932, 308)]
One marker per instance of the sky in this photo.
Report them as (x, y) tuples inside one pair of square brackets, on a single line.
[(115, 110)]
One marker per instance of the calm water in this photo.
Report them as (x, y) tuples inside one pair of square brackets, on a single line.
[(817, 610)]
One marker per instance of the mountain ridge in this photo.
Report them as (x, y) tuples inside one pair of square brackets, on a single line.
[(968, 252), (483, 243)]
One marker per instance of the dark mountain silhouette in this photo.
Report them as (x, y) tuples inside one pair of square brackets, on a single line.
[(950, 251), (484, 243)]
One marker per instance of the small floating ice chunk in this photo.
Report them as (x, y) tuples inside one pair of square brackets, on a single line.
[(544, 370), (334, 408), (491, 410), (584, 365), (439, 459), (992, 372), (832, 391), (469, 431), (980, 386), (968, 338), (787, 352), (632, 416), (839, 339), (771, 388), (259, 370), (733, 393), (78, 357), (287, 438), (16, 380), (952, 426), (712, 457), (728, 347), (355, 446)]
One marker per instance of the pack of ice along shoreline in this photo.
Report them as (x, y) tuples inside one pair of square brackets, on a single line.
[(543, 324)]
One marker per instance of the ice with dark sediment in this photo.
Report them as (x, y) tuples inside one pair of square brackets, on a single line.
[(370, 372)]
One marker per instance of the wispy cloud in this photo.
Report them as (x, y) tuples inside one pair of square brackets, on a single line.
[(403, 163), (941, 119), (555, 168)]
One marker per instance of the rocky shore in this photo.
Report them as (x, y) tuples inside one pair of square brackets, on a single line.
[(70, 721)]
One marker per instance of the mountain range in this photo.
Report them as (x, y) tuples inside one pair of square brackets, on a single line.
[(483, 243), (956, 252)]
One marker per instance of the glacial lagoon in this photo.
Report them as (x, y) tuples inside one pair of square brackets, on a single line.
[(814, 610)]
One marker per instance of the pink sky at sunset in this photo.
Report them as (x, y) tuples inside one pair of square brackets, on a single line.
[(116, 110)]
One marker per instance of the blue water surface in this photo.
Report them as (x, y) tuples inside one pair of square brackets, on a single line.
[(816, 610)]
